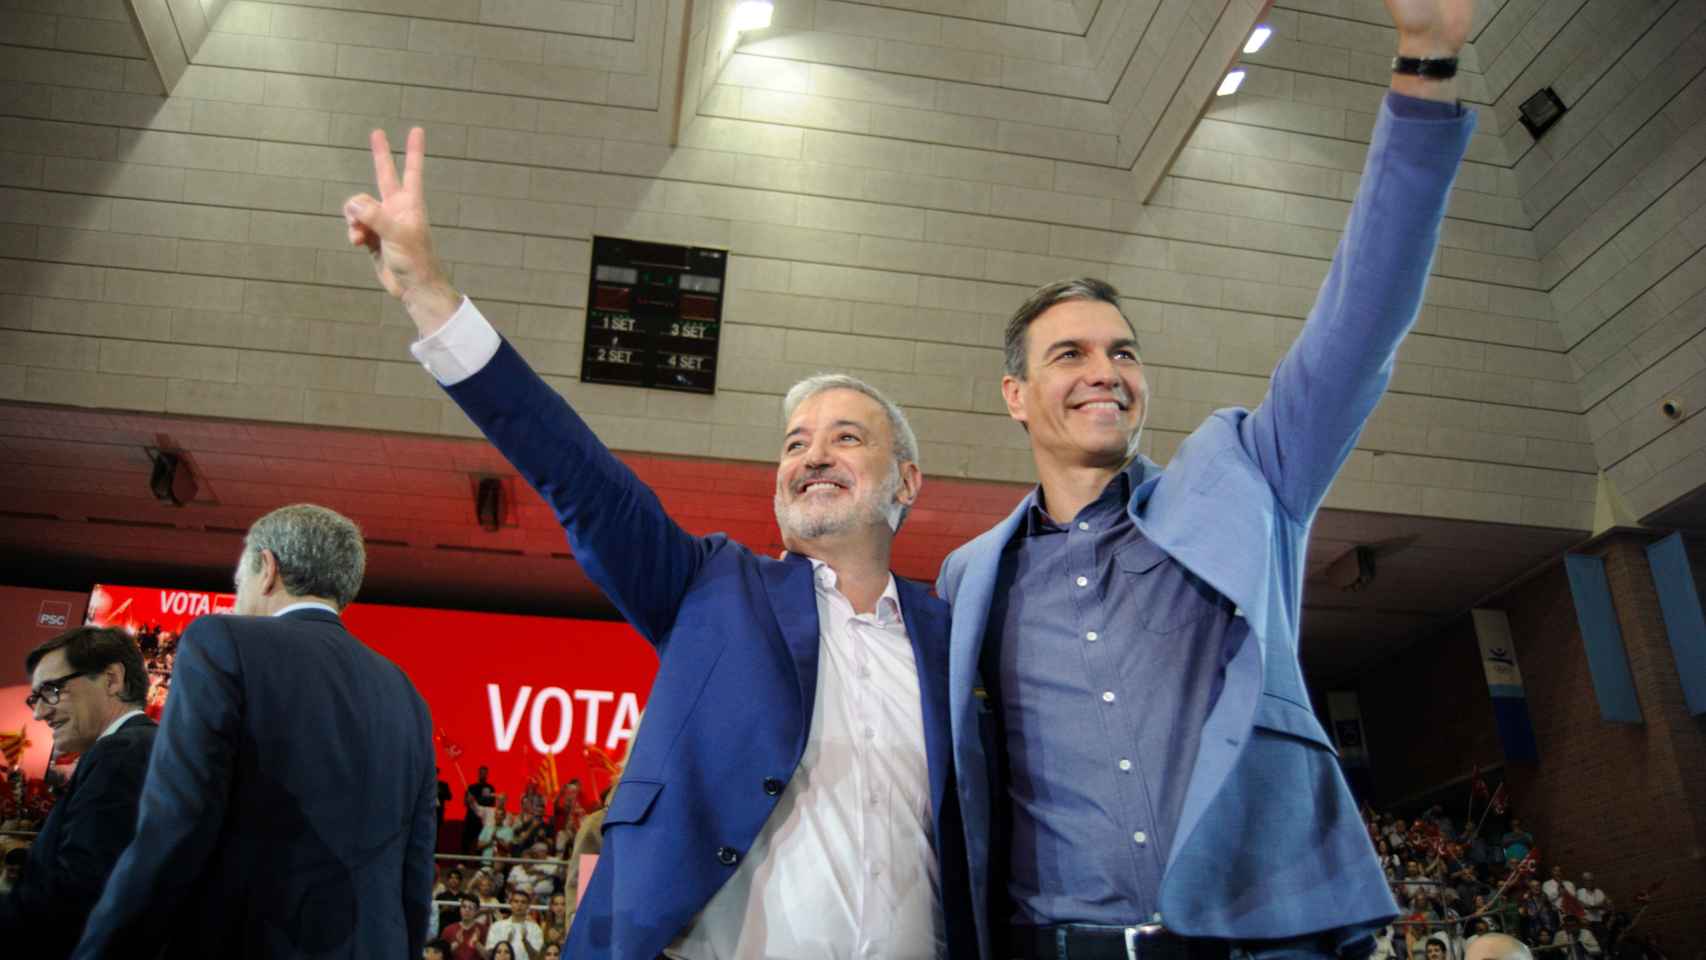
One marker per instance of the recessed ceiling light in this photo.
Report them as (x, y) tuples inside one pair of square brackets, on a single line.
[(1230, 84), (1258, 37), (753, 14)]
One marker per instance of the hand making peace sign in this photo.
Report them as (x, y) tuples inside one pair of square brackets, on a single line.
[(394, 229)]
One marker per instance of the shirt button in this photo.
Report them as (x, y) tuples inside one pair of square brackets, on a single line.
[(1084, 581), (1125, 764), (1092, 636), (728, 856), (1107, 696), (1083, 526), (1140, 838), (870, 733), (772, 786)]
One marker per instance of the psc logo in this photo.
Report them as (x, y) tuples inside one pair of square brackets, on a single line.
[(54, 613)]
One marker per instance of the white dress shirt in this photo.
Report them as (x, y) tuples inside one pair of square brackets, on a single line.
[(844, 867), (305, 605), (525, 938), (112, 728)]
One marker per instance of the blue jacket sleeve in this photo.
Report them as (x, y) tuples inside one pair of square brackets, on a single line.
[(183, 798), (418, 866), (618, 530), (1329, 382)]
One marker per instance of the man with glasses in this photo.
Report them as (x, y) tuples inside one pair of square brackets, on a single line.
[(89, 686)]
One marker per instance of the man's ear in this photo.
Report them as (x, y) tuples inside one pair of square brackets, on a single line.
[(267, 579), (911, 482), (1013, 391)]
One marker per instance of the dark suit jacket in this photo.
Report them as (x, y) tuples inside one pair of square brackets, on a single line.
[(289, 808), (77, 847), (730, 710)]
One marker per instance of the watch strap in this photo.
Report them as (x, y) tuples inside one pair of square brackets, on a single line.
[(1443, 68)]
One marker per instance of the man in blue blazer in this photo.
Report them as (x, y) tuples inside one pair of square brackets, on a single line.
[(790, 790), (1140, 770), (289, 806)]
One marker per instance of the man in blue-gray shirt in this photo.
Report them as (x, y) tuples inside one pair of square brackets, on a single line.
[(1140, 772)]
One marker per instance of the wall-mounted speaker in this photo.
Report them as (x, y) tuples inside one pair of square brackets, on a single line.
[(171, 480), (1541, 111), (489, 503)]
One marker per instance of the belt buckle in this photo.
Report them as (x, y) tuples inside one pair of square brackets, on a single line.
[(1132, 934)]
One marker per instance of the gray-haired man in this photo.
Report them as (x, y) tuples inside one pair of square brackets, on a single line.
[(289, 807), (789, 794)]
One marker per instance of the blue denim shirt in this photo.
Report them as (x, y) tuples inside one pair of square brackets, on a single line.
[(1111, 656)]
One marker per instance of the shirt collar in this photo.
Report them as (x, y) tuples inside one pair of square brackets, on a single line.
[(888, 605), (112, 728), (1113, 496), (306, 605)]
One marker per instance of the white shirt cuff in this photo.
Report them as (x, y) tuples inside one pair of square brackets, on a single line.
[(460, 348)]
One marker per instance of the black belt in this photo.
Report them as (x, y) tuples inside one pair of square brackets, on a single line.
[(1082, 941)]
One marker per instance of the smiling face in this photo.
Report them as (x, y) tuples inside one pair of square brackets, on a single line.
[(838, 473), (87, 705), (1083, 396)]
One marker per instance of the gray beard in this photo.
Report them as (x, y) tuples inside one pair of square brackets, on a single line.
[(800, 523)]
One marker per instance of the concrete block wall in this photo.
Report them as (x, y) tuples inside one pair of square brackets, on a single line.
[(1617, 196), (891, 180)]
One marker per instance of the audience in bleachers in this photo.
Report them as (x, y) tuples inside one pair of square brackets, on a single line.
[(1452, 886)]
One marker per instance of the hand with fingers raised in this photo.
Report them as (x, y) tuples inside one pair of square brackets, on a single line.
[(394, 230)]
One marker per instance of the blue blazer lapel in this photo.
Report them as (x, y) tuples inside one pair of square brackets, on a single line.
[(927, 628), (793, 601), (972, 597)]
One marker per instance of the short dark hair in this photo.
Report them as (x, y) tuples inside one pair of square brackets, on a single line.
[(469, 898), (1014, 345), (441, 946), (453, 872), (93, 649)]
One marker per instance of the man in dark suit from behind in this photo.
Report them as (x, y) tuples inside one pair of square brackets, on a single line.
[(289, 808), (89, 686)]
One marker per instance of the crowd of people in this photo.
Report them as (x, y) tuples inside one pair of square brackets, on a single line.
[(510, 894), (1454, 883)]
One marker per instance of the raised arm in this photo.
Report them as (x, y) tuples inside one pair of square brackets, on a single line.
[(1329, 382), (619, 531)]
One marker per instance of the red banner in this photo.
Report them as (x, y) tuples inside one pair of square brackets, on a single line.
[(506, 692)]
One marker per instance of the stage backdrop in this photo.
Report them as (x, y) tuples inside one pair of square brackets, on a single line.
[(529, 697)]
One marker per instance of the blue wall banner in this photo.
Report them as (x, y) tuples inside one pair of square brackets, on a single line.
[(1504, 683), (1608, 662), (1684, 623)]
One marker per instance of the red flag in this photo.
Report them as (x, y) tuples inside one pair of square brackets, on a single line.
[(1500, 800), (12, 746), (1569, 906)]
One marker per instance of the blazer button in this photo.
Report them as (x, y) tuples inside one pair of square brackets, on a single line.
[(728, 856), (772, 786)]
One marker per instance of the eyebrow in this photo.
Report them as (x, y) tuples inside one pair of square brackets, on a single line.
[(1079, 344), (837, 423)]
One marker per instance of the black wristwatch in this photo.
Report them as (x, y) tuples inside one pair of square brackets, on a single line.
[(1441, 69)]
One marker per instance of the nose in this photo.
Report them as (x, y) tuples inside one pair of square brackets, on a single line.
[(817, 454), (41, 711), (1099, 371)]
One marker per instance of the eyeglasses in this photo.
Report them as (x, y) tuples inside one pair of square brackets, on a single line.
[(50, 690)]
